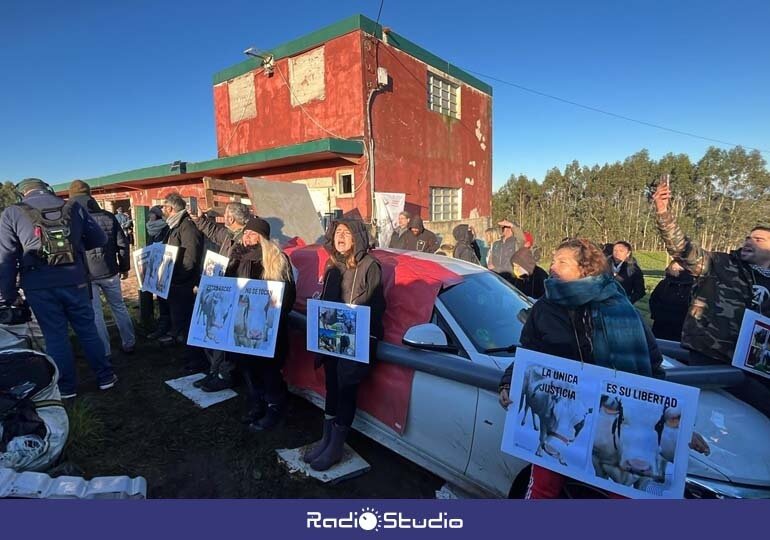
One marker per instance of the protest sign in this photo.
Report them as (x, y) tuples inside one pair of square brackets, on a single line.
[(140, 257), (617, 431), (214, 264), (154, 266), (237, 315), (338, 329), (388, 207), (752, 351)]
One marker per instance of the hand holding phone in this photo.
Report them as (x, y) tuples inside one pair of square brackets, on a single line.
[(662, 194)]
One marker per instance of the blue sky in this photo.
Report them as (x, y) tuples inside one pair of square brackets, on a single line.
[(91, 87)]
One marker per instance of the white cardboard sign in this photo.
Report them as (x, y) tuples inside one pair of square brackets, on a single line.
[(752, 351), (154, 266), (337, 329)]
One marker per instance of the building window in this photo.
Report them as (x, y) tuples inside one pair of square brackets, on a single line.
[(345, 183), (445, 204), (443, 96)]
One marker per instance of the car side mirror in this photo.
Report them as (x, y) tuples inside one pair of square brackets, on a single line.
[(428, 337)]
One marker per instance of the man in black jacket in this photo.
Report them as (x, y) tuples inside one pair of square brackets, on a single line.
[(627, 272), (419, 238), (106, 264), (187, 268), (465, 249), (670, 301)]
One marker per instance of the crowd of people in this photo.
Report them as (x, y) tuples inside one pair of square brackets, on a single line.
[(64, 255)]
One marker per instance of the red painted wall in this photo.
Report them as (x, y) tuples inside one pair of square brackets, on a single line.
[(417, 148), (277, 123)]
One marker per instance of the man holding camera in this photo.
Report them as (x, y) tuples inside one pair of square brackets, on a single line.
[(43, 239)]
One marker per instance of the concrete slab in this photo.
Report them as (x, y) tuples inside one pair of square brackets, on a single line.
[(203, 400), (352, 465)]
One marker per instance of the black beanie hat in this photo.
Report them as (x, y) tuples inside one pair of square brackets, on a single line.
[(258, 225)]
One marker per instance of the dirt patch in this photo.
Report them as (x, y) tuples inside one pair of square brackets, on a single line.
[(144, 428)]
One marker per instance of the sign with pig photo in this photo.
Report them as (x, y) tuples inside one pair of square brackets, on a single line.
[(623, 433), (236, 315)]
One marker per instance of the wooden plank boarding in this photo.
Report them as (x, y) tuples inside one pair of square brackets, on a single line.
[(221, 192)]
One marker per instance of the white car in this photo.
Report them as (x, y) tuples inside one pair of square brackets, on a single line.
[(455, 424)]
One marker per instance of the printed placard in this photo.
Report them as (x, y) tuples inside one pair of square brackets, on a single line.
[(620, 432), (338, 329), (237, 315), (154, 266), (214, 264), (752, 351)]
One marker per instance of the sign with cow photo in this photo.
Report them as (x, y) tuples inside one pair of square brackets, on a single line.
[(154, 266), (214, 264), (752, 351), (337, 329), (237, 315), (620, 432)]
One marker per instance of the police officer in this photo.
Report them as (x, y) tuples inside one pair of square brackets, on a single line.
[(43, 239)]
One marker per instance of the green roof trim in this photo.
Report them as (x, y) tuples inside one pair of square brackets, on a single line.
[(356, 22), (337, 146)]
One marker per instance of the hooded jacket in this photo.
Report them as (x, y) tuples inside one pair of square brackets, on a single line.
[(669, 303), (533, 283), (499, 258), (187, 268), (465, 248), (424, 241), (398, 238), (361, 285), (630, 277), (19, 246), (112, 258), (725, 287)]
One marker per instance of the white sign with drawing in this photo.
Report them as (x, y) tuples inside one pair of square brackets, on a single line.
[(154, 266), (237, 315), (388, 207), (214, 264), (624, 433), (338, 329), (752, 351)]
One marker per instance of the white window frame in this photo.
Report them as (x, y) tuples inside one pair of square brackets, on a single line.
[(338, 183), (442, 215), (444, 95)]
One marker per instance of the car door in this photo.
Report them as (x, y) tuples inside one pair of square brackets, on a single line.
[(442, 412)]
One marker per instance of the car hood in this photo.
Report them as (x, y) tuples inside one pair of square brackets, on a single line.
[(737, 435)]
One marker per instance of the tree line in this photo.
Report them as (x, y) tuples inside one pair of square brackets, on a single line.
[(716, 200)]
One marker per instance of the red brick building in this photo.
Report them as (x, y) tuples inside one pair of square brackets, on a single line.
[(347, 110)]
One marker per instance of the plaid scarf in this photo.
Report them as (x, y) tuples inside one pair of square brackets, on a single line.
[(619, 340), (174, 220)]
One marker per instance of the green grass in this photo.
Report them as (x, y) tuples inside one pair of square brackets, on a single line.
[(653, 264)]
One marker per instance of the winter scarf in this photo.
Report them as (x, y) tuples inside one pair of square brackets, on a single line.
[(618, 338), (155, 227), (174, 220)]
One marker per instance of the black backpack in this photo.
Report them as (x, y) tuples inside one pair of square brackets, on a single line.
[(56, 247)]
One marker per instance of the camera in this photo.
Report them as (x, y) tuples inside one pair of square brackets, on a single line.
[(10, 315)]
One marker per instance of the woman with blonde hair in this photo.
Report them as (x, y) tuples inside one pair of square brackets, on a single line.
[(491, 235), (258, 257)]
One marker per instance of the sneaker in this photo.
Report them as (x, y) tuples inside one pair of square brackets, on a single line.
[(272, 418), (128, 350), (166, 340), (254, 413), (69, 395), (216, 384), (155, 334), (109, 383)]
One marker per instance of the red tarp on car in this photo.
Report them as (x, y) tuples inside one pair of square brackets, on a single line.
[(411, 286)]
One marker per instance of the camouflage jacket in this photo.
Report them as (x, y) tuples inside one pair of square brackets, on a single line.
[(722, 291)]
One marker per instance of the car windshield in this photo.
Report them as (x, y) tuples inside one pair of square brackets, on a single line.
[(490, 311)]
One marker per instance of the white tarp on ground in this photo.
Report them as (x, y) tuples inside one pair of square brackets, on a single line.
[(34, 485), (350, 466), (30, 453), (184, 385)]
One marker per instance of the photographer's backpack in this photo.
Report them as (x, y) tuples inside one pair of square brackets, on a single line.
[(56, 247)]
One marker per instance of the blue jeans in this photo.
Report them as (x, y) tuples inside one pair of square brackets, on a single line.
[(112, 292), (54, 308)]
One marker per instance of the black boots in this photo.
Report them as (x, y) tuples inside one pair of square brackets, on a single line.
[(272, 417), (334, 450), (321, 445)]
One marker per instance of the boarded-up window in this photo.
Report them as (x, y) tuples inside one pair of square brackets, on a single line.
[(306, 77), (243, 102), (443, 96)]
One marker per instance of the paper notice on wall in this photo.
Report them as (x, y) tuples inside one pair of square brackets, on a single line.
[(388, 207)]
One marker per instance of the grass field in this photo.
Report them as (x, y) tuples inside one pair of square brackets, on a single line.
[(653, 264)]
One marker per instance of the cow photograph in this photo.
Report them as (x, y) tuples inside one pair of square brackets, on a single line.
[(253, 320), (140, 257), (634, 442), (211, 315), (214, 264), (752, 352), (553, 417)]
